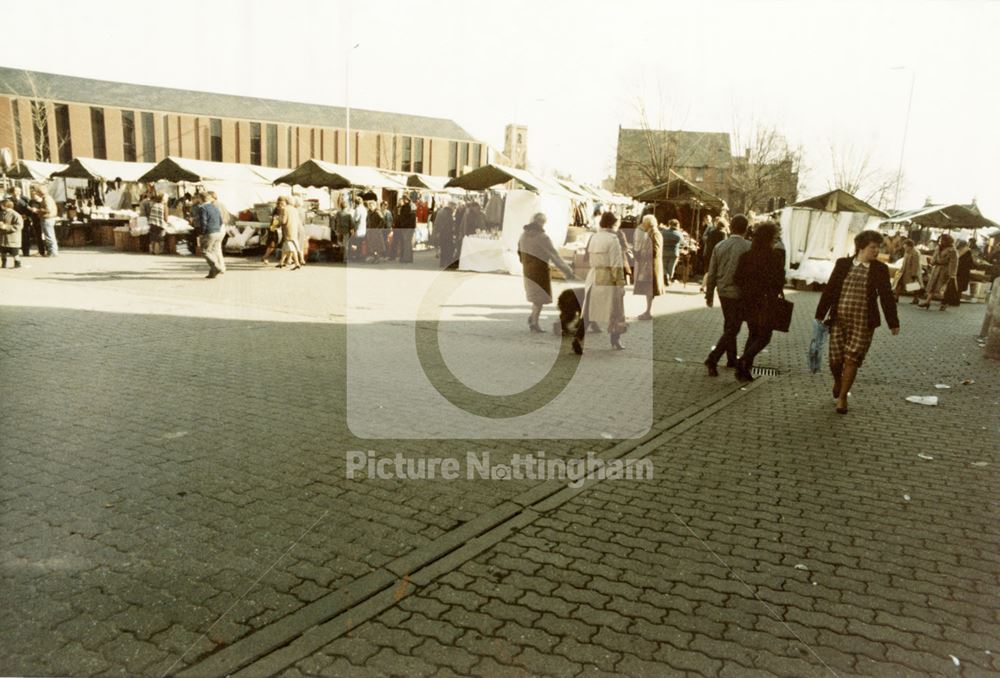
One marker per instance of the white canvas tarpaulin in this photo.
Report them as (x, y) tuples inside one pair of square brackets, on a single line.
[(488, 254), (520, 207), (35, 170), (109, 170), (329, 175), (814, 240)]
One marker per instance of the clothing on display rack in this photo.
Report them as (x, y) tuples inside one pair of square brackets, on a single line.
[(494, 210)]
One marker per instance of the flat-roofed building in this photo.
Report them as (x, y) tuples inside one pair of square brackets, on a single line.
[(44, 116)]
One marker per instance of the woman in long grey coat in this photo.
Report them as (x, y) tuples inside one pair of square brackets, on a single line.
[(648, 263), (11, 224), (536, 251)]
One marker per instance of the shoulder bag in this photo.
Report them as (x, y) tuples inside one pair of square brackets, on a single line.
[(781, 313)]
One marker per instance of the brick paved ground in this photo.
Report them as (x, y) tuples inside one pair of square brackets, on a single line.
[(173, 489)]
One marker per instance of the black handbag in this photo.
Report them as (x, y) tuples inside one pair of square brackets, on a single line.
[(781, 314)]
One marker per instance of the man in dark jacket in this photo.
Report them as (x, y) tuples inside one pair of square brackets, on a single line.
[(720, 276), (28, 234), (673, 238), (444, 227), (402, 232)]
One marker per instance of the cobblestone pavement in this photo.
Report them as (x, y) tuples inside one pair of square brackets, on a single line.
[(174, 499)]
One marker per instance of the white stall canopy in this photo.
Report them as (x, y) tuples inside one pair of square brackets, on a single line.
[(323, 174), (492, 175), (107, 170), (239, 186), (34, 170)]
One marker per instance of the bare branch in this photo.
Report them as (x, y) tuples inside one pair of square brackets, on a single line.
[(852, 170), (764, 169)]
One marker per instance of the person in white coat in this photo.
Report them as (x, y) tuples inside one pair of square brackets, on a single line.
[(604, 298)]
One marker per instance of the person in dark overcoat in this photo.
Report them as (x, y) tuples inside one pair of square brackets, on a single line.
[(760, 275), (536, 251), (444, 227)]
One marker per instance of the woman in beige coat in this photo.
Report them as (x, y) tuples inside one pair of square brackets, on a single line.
[(910, 271), (604, 299), (648, 263), (945, 268)]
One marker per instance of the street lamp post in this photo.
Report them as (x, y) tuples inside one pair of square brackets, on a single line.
[(906, 128), (347, 96)]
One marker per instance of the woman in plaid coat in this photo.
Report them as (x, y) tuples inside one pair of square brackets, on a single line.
[(851, 297)]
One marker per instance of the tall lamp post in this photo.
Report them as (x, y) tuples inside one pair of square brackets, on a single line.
[(906, 128), (347, 96)]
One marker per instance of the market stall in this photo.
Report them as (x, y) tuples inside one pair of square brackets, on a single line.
[(688, 203), (104, 193), (819, 230), (237, 186), (964, 223), (680, 199), (492, 250), (245, 194), (318, 174)]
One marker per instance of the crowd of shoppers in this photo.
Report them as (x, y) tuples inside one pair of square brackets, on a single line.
[(38, 214)]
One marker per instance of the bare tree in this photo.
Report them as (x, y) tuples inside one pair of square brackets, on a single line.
[(767, 168), (658, 153), (853, 171), (39, 95)]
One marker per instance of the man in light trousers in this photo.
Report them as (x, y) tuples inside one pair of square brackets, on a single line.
[(47, 213), (211, 239)]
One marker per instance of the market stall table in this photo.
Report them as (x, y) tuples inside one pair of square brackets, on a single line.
[(482, 254), (102, 231)]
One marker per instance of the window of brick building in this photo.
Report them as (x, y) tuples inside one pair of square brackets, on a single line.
[(166, 136), (477, 153), (452, 158), (148, 138), (255, 143), (18, 142), (40, 125), (407, 165), (418, 155), (272, 145), (97, 133), (65, 149), (215, 139), (128, 136)]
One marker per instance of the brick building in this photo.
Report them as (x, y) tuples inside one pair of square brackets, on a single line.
[(55, 118), (703, 158)]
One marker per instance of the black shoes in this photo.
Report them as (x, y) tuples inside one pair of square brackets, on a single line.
[(742, 371), (713, 370)]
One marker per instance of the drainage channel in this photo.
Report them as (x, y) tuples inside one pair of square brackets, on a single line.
[(304, 632)]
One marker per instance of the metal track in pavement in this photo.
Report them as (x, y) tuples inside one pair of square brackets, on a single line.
[(281, 644)]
